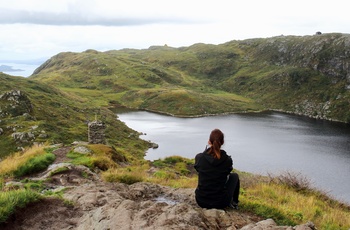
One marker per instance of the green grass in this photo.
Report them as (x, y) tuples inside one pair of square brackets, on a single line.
[(101, 156), (35, 164), (36, 185), (287, 206), (11, 201), (80, 159), (32, 160), (172, 164), (267, 212), (128, 175), (237, 76), (59, 116), (127, 179)]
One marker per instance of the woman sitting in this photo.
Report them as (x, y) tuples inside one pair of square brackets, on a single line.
[(217, 186)]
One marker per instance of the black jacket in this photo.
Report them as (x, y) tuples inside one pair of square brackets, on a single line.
[(212, 177)]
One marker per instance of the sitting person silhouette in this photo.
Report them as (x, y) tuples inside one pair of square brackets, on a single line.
[(218, 187)]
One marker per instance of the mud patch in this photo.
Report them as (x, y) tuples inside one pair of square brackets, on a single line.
[(49, 213)]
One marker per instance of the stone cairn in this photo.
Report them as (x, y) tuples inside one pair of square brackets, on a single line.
[(96, 132)]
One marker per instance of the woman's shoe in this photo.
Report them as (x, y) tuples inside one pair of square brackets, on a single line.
[(233, 205)]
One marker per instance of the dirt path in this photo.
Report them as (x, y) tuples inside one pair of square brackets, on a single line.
[(61, 155)]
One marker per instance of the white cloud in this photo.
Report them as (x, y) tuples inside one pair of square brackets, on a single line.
[(92, 12), (31, 29)]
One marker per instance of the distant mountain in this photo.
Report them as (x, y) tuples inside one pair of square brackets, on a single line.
[(7, 68), (308, 75)]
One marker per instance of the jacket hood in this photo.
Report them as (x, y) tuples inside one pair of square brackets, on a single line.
[(214, 161)]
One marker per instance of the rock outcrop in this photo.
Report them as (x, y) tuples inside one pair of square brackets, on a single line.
[(15, 103), (328, 54), (90, 203)]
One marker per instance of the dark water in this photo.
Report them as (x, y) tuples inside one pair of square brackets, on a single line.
[(259, 143)]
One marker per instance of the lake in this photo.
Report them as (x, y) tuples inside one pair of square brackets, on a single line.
[(260, 143)]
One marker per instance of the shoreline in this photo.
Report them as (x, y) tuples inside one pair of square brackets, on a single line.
[(238, 112)]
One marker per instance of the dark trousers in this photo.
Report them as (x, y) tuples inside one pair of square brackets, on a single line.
[(233, 186)]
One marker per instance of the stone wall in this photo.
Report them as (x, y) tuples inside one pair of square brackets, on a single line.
[(96, 132)]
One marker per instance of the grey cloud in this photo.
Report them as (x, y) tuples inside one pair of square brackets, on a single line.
[(78, 19)]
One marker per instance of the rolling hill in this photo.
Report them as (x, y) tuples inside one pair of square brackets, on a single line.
[(306, 75)]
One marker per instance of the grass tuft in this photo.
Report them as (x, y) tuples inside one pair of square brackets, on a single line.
[(35, 164), (290, 199), (102, 157), (124, 175), (10, 201), (32, 160)]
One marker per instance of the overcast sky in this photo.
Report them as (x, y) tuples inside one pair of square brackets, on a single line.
[(36, 29)]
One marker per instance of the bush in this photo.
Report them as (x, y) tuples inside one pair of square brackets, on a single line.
[(296, 181), (173, 159)]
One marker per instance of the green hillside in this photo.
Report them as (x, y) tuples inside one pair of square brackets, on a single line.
[(305, 75), (133, 78), (34, 112)]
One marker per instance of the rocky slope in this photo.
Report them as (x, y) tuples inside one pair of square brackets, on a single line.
[(90, 203)]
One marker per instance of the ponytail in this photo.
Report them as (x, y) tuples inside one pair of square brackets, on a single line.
[(216, 139)]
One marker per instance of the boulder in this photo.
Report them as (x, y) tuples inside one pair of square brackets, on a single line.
[(15, 103), (23, 137)]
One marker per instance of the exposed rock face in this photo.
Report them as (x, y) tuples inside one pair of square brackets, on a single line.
[(150, 206), (311, 109), (15, 103), (327, 54)]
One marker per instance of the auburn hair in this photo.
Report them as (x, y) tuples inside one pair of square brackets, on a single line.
[(216, 139)]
